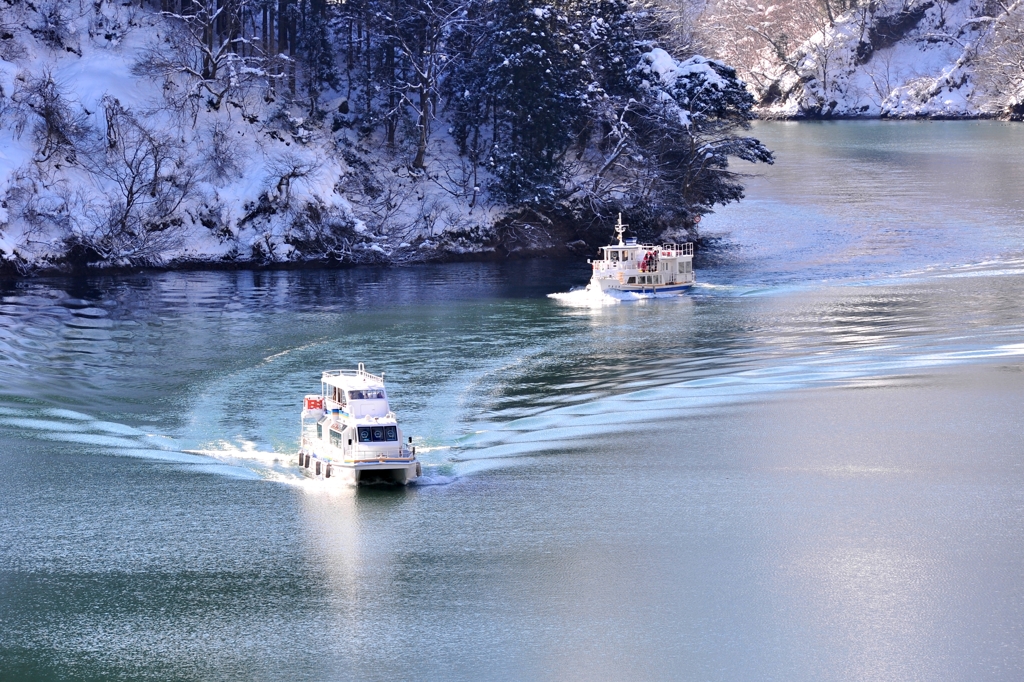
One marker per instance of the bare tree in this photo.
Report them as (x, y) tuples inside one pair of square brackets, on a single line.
[(765, 41), (885, 75), (418, 30), (209, 52), (221, 159), (319, 231), (1000, 64), (822, 57), (54, 26), (59, 129), (288, 170), (144, 177)]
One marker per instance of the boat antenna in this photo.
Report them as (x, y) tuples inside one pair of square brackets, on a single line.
[(620, 229)]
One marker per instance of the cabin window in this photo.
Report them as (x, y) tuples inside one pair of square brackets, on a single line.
[(338, 395), (614, 255), (391, 433), (631, 280), (687, 266), (320, 431), (367, 394), (364, 434), (336, 438)]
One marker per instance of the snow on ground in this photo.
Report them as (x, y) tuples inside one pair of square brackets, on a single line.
[(240, 205), (926, 72)]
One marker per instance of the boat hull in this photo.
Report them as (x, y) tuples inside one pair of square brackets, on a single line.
[(395, 472), (643, 289)]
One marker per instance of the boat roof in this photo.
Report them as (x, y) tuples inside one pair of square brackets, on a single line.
[(631, 244), (349, 378), (634, 246)]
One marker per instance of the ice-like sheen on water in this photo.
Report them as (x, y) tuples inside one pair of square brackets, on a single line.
[(808, 467)]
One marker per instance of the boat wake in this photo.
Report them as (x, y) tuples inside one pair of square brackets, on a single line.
[(570, 426), (246, 456), (69, 427), (593, 299), (429, 479)]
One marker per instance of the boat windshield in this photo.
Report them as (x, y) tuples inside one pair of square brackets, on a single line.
[(367, 394), (374, 434)]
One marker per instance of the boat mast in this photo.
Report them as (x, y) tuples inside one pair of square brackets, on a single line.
[(620, 229)]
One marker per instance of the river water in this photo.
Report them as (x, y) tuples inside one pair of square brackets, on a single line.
[(809, 468)]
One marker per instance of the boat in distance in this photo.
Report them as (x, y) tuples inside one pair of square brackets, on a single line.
[(350, 435), (629, 267)]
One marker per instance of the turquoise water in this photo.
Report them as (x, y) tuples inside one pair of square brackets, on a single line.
[(809, 468)]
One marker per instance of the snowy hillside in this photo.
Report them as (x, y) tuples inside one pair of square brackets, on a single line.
[(249, 181), (894, 58), (229, 132)]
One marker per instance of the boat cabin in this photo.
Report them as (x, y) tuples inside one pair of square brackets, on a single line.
[(630, 266), (358, 394)]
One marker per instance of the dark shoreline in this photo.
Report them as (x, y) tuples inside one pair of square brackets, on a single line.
[(10, 272)]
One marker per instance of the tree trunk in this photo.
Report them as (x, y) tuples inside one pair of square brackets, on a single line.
[(391, 122), (421, 148)]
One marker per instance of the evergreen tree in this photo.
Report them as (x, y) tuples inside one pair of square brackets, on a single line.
[(686, 128), (531, 82), (317, 52), (652, 138)]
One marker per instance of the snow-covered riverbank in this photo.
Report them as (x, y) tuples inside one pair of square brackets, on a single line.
[(88, 140), (890, 59), (179, 133)]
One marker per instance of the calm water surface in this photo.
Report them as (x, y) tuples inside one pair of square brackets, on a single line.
[(812, 468)]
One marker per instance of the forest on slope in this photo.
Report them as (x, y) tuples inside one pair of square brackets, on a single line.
[(170, 132)]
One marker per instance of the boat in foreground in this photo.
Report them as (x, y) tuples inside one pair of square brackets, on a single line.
[(629, 267), (350, 434)]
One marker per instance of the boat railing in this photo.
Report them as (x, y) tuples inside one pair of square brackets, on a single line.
[(357, 373), (679, 249), (663, 249)]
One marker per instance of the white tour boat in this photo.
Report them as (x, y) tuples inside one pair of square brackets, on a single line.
[(350, 434), (642, 268)]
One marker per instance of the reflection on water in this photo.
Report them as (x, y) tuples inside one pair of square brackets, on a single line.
[(771, 477), (860, 199)]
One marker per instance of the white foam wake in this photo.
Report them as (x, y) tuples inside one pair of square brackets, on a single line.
[(569, 426), (595, 298)]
